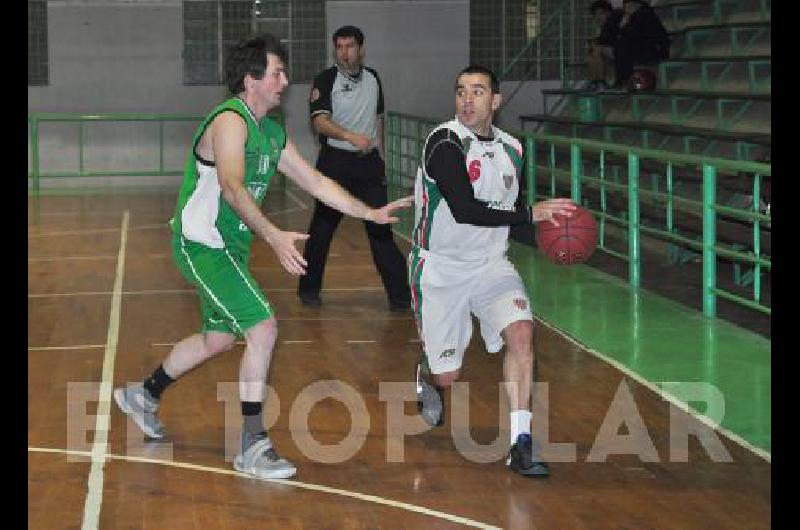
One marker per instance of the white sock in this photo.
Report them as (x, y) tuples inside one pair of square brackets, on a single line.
[(520, 423)]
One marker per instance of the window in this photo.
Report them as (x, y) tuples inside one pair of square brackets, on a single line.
[(498, 30), (201, 61), (211, 26), (37, 43), (555, 29), (531, 19)]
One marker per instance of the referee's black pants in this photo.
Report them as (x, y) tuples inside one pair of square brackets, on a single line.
[(364, 177)]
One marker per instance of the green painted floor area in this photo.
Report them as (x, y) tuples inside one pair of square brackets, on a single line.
[(656, 338)]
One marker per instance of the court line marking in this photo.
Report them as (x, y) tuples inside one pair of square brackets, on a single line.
[(108, 293), (662, 393), (97, 230), (87, 213), (94, 494), (238, 342), (297, 484), (73, 232), (165, 224), (75, 347), (74, 258), (181, 291)]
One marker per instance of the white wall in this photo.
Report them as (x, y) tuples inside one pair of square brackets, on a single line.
[(528, 100), (417, 47), (117, 57), (126, 57)]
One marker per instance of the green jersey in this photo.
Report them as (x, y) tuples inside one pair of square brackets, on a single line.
[(202, 214)]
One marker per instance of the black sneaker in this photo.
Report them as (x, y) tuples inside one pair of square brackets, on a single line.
[(523, 459), (310, 300), (400, 307)]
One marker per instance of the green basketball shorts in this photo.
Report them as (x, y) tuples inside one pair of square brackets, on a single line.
[(230, 299)]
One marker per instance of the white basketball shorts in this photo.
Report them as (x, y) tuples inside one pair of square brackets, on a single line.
[(444, 294)]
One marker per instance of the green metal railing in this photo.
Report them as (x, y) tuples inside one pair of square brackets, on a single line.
[(83, 121), (35, 173), (589, 177)]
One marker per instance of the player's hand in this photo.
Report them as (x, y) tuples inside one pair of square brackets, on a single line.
[(361, 142), (384, 215), (549, 209), (283, 244)]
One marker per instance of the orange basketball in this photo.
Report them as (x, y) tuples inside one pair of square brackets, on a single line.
[(573, 241)]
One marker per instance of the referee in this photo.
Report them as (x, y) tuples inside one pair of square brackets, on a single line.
[(346, 105)]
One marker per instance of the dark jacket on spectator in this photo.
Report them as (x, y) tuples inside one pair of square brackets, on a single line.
[(610, 29), (645, 30)]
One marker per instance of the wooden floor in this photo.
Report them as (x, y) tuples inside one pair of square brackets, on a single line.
[(106, 303)]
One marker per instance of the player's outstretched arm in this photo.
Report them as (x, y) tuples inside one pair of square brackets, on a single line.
[(229, 135), (326, 190)]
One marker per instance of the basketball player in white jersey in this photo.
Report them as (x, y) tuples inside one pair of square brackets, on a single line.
[(467, 194)]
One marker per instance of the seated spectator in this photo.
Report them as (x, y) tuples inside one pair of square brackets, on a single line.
[(641, 40), (601, 48)]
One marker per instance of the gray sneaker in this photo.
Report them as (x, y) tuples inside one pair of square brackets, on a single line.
[(261, 461), (132, 401), (429, 400)]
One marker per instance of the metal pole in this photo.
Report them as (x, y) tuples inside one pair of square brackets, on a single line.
[(634, 264), (709, 240), (530, 168), (561, 46), (603, 198), (670, 199), (757, 238), (575, 173), (80, 148), (396, 131), (160, 147), (552, 170)]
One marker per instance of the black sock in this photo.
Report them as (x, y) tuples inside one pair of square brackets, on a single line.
[(157, 382), (252, 424)]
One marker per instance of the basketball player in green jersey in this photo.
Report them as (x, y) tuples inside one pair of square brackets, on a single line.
[(235, 153)]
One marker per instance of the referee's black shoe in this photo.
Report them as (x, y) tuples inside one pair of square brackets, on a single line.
[(310, 300), (524, 459), (402, 306)]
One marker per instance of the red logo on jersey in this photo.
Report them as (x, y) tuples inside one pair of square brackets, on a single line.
[(474, 170), (521, 303)]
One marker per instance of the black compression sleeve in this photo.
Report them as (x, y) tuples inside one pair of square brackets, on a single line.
[(445, 163)]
